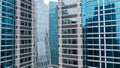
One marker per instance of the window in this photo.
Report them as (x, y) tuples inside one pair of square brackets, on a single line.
[(65, 61), (75, 62), (64, 41), (69, 51), (69, 31), (29, 24), (29, 32), (74, 51), (68, 2), (64, 50), (69, 41), (29, 7), (69, 11), (22, 42), (22, 22), (109, 53), (69, 21), (29, 15), (74, 41), (70, 61), (21, 60), (22, 32)]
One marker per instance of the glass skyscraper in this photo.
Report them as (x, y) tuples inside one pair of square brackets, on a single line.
[(16, 34), (53, 33), (42, 35), (7, 33), (101, 33)]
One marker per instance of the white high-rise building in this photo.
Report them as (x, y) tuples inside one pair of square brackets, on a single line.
[(70, 34), (24, 34)]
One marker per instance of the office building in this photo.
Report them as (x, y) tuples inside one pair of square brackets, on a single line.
[(16, 34), (53, 33), (100, 22), (7, 33), (24, 34), (42, 35), (70, 34), (99, 25)]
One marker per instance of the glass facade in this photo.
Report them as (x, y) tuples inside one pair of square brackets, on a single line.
[(101, 33), (7, 34), (53, 32), (42, 35)]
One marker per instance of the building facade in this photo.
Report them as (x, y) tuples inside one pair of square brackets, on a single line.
[(42, 35), (16, 34), (100, 22), (70, 34), (53, 33), (24, 34), (100, 33), (7, 33)]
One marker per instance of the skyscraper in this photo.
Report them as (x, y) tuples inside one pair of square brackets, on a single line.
[(53, 33), (98, 27), (42, 35), (70, 34), (7, 33), (100, 22), (16, 34), (24, 34)]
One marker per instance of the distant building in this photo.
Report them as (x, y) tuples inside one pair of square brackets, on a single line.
[(42, 35), (53, 33)]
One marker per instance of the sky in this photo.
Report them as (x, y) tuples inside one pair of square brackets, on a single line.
[(47, 1)]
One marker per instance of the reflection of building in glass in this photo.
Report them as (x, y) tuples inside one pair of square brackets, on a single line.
[(41, 35), (101, 33), (70, 32), (53, 33)]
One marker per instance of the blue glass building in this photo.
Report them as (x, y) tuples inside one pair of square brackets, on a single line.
[(7, 33), (101, 33), (53, 33)]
